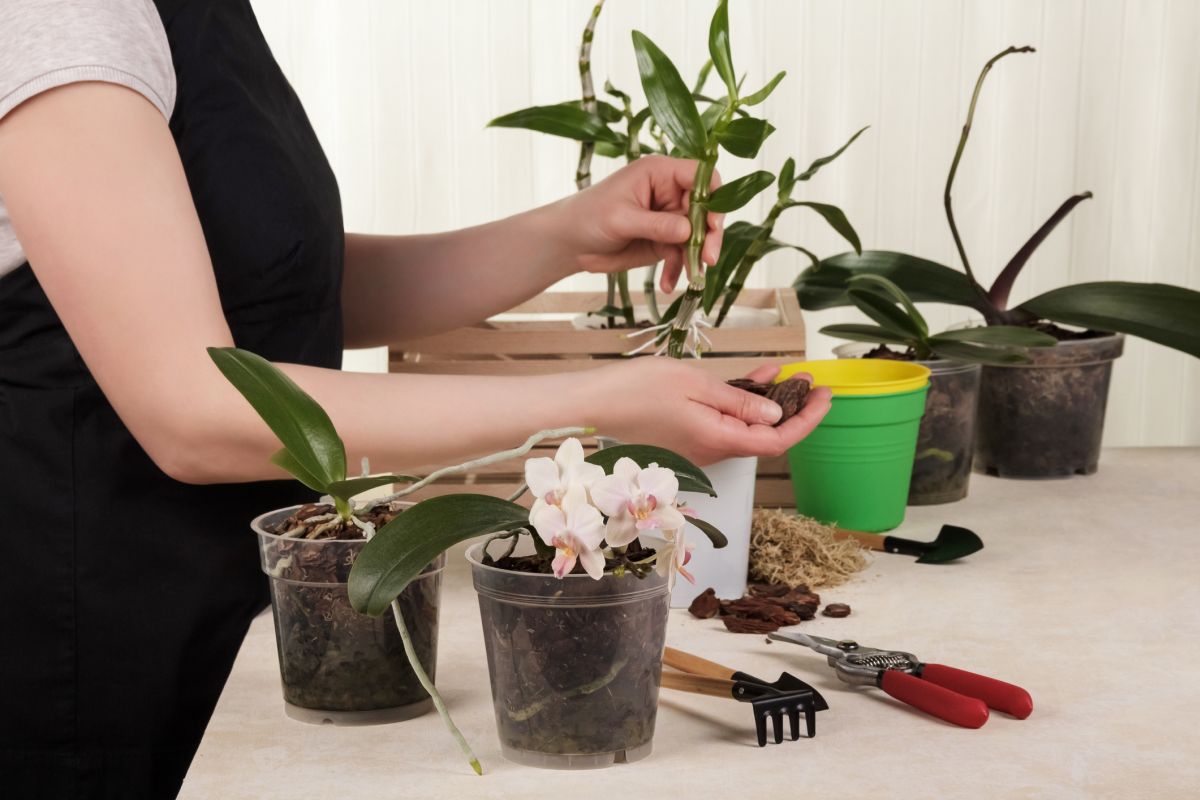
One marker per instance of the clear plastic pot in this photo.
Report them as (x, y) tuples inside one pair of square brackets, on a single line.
[(575, 664), (1045, 419), (946, 440), (337, 665)]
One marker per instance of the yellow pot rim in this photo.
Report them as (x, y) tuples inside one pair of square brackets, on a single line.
[(858, 376)]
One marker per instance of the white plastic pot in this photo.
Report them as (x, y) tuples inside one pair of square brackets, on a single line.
[(730, 511)]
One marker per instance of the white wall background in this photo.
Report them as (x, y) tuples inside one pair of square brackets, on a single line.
[(400, 90)]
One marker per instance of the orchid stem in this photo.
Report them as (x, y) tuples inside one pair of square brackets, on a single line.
[(438, 703), (958, 153), (552, 433)]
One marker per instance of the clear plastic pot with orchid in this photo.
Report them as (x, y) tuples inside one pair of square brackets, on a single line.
[(573, 593)]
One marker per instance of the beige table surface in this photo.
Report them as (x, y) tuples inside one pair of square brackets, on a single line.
[(1087, 594)]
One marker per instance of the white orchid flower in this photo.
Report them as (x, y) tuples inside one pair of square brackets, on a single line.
[(575, 529), (636, 500), (549, 478), (674, 557)]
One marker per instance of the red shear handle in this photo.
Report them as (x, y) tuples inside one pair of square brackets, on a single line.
[(997, 694), (942, 703)]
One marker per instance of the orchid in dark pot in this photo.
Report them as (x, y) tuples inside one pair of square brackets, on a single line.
[(1043, 418)]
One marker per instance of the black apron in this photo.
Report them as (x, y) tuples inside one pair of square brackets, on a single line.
[(127, 594)]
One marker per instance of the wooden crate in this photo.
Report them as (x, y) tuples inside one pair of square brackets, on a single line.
[(538, 337)]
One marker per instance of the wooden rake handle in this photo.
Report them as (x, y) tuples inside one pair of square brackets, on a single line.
[(698, 684), (695, 665)]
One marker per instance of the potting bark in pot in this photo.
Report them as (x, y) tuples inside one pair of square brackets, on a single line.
[(573, 594), (336, 665), (1044, 419)]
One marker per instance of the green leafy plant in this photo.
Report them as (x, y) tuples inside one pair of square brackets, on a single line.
[(745, 243), (1168, 315), (677, 125), (898, 322)]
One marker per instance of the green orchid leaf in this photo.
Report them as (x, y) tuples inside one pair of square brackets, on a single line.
[(884, 311), (744, 136), (616, 149), (302, 426), (976, 354), (691, 478), (350, 487), (815, 166), (612, 91), (866, 333), (734, 244), (923, 280), (1158, 312), (735, 194), (775, 244), (889, 289), (836, 219), (1003, 335), (714, 534), (787, 178), (402, 548), (1003, 285), (718, 47), (567, 120), (764, 92), (702, 77), (284, 459), (670, 101)]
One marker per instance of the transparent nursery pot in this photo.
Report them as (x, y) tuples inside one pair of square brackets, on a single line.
[(336, 665), (575, 663), (946, 439), (1045, 419)]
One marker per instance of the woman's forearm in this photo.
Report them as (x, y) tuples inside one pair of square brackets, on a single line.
[(402, 423), (404, 287)]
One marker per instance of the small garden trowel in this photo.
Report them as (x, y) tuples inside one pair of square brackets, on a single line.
[(952, 542)]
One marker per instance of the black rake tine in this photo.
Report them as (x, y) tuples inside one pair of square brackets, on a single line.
[(777, 720), (794, 721), (810, 716), (760, 727)]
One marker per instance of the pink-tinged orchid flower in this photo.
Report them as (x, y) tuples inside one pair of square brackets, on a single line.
[(674, 557), (637, 500), (548, 479), (575, 529)]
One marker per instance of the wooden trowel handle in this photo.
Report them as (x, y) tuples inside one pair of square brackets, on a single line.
[(695, 665), (713, 687), (871, 541)]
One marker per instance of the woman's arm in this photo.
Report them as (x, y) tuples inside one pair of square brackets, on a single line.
[(437, 282), (93, 183)]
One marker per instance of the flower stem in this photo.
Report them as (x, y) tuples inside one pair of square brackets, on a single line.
[(958, 153), (552, 433), (438, 703)]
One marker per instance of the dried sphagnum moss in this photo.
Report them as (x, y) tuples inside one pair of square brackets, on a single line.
[(791, 549)]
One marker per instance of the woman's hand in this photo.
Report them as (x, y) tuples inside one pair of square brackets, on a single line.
[(675, 405), (636, 217)]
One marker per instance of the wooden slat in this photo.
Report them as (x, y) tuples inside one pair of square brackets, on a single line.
[(516, 340), (724, 368)]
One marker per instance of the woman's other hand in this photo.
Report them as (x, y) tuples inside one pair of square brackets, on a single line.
[(676, 405), (636, 217)]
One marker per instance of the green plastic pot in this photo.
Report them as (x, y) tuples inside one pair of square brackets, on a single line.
[(853, 470)]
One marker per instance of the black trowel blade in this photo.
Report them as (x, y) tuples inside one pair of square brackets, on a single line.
[(952, 542)]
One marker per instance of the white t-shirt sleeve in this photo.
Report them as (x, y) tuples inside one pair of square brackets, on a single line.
[(49, 43)]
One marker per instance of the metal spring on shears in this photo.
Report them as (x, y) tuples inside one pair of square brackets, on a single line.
[(880, 661)]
